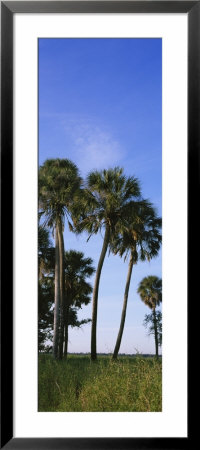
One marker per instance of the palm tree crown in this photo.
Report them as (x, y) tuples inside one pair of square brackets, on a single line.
[(108, 196), (59, 182), (138, 234), (150, 291), (77, 269)]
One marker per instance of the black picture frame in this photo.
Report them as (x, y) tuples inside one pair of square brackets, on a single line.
[(8, 9)]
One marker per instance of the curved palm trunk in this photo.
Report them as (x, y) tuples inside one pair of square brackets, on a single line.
[(66, 330), (123, 316), (95, 293), (57, 297), (62, 286), (155, 331)]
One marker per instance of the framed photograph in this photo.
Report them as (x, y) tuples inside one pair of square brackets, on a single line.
[(100, 140)]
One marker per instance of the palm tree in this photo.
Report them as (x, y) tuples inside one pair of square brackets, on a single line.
[(109, 197), (150, 291), (140, 238), (59, 182), (77, 289)]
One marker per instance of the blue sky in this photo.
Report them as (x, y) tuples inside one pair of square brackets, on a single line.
[(100, 105)]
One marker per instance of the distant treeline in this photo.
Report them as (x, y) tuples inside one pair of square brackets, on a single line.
[(146, 355)]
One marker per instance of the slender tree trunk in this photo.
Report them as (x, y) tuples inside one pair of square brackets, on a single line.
[(57, 297), (123, 316), (62, 285), (95, 293), (155, 331), (66, 330)]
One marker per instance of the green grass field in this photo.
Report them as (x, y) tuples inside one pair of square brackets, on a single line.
[(132, 383)]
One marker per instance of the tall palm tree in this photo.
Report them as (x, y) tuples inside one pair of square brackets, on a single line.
[(77, 289), (150, 291), (109, 197), (59, 182), (140, 238)]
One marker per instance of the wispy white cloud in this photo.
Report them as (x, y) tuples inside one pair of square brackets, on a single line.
[(94, 146)]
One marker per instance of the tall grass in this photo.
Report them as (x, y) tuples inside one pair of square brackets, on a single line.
[(129, 384)]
